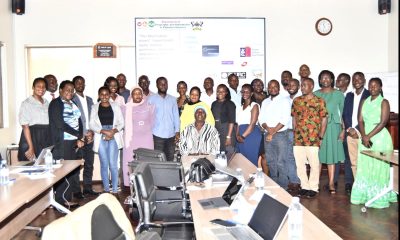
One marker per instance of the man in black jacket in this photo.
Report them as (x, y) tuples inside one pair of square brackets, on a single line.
[(66, 136), (350, 120)]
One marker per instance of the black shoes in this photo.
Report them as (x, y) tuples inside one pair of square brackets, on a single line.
[(79, 195), (90, 192), (307, 193), (302, 193), (311, 194), (293, 187)]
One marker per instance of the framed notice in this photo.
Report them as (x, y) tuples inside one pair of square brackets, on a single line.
[(104, 50)]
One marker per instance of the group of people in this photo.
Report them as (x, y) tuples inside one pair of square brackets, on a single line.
[(281, 129)]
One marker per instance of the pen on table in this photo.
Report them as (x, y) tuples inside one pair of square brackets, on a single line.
[(13, 179)]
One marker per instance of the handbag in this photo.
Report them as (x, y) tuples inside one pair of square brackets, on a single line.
[(200, 170)]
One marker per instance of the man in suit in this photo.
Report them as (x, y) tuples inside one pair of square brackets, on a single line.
[(350, 120), (85, 104)]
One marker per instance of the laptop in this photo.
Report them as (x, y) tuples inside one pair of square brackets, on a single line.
[(266, 222), (40, 159), (227, 198)]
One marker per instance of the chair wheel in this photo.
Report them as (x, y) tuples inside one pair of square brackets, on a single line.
[(363, 209)]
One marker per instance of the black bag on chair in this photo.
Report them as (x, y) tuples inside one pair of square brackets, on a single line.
[(200, 170)]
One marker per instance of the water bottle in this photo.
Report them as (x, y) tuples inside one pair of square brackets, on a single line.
[(4, 173), (224, 161), (48, 160), (239, 175), (259, 179), (295, 219)]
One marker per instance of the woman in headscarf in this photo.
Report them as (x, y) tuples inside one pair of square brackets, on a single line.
[(139, 119)]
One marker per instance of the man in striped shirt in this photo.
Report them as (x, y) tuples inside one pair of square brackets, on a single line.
[(199, 138)]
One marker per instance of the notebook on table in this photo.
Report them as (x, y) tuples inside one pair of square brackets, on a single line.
[(227, 198), (265, 223)]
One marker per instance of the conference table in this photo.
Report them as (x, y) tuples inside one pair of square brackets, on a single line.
[(25, 199), (313, 228)]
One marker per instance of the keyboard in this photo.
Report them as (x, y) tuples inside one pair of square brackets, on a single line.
[(242, 233)]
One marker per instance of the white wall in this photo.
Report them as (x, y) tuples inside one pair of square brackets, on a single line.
[(9, 106), (361, 39)]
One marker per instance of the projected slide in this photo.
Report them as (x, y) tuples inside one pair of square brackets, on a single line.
[(191, 49)]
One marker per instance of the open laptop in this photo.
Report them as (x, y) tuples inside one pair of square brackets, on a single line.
[(40, 159), (227, 198), (266, 222), (227, 170)]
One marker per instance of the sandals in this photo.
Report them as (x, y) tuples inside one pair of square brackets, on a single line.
[(332, 190)]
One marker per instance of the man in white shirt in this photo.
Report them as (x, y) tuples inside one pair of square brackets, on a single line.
[(85, 104), (51, 88), (286, 76), (209, 96), (274, 118), (233, 82), (350, 120)]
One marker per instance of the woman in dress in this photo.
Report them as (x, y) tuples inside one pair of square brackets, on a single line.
[(107, 122), (372, 174), (139, 119), (331, 150), (259, 95), (224, 111), (112, 84), (248, 135), (181, 88), (34, 119), (187, 116)]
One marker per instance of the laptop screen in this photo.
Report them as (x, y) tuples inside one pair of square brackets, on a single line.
[(40, 159), (232, 190), (268, 217)]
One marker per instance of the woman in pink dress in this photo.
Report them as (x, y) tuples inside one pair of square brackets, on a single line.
[(139, 118)]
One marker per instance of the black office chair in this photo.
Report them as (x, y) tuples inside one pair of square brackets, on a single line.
[(161, 200)]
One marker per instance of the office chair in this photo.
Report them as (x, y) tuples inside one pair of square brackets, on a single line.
[(161, 200), (100, 219)]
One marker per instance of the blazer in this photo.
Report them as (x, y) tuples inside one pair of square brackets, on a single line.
[(96, 127), (348, 107), (58, 127), (89, 102)]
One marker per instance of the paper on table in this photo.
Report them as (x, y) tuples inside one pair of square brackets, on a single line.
[(257, 195), (41, 176)]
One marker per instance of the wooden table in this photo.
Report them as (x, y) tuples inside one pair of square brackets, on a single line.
[(313, 228), (25, 199), (393, 159)]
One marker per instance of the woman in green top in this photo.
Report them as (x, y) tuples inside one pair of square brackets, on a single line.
[(331, 150), (372, 174)]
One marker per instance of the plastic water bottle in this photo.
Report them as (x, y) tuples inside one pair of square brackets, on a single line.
[(295, 219), (4, 173), (239, 175), (48, 160), (259, 179)]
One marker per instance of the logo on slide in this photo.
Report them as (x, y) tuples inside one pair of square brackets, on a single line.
[(245, 52), (146, 24), (197, 26)]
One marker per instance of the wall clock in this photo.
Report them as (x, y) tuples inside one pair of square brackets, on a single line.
[(323, 26)]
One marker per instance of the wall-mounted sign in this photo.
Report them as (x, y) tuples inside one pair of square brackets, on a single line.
[(104, 50)]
